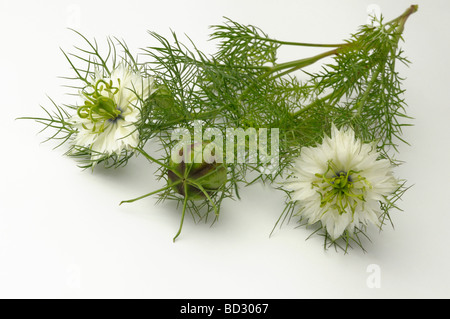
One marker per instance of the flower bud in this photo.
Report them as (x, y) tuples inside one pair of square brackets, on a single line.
[(162, 98), (197, 167)]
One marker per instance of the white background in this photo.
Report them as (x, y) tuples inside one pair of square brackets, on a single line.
[(63, 235)]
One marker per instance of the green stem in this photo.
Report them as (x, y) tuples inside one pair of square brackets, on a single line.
[(182, 218), (398, 22), (292, 66), (298, 64), (333, 95), (199, 186), (302, 44), (150, 194), (152, 159), (401, 20), (359, 106)]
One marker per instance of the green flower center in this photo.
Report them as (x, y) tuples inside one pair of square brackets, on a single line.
[(341, 190), (99, 108)]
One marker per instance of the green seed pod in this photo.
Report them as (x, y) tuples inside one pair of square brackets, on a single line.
[(194, 168), (163, 98), (162, 104)]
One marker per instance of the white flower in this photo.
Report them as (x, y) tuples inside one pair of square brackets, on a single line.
[(341, 183), (106, 123)]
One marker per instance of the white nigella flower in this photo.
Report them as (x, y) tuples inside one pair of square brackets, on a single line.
[(107, 121), (341, 183)]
